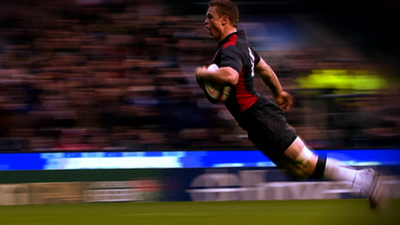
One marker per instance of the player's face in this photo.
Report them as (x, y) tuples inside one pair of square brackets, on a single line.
[(213, 23)]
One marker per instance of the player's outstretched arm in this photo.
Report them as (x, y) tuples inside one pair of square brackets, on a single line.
[(268, 76)]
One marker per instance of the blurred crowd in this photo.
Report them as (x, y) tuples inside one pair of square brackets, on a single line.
[(119, 75)]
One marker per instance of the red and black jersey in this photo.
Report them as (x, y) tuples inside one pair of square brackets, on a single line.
[(234, 51), (262, 118)]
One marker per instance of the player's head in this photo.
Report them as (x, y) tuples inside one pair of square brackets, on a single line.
[(221, 15), (226, 8)]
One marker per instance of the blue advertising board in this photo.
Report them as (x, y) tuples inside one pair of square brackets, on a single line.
[(178, 159)]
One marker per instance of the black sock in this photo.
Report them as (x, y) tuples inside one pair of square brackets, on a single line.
[(319, 168)]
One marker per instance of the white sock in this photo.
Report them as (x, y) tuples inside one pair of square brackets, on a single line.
[(334, 172)]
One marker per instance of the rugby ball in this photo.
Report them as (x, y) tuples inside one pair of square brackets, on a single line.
[(215, 93)]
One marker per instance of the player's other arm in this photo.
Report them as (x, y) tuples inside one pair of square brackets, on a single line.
[(223, 75), (268, 76)]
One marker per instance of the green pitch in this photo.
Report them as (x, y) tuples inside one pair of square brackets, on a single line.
[(310, 212)]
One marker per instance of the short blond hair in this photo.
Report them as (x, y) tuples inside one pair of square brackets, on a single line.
[(226, 7)]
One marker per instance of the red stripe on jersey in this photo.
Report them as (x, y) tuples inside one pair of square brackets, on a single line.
[(244, 98), (232, 41)]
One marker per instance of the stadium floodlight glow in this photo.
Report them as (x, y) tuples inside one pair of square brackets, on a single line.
[(355, 80)]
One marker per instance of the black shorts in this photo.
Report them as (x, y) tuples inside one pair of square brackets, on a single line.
[(267, 128)]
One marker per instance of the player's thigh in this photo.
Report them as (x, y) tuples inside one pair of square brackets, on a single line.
[(294, 150)]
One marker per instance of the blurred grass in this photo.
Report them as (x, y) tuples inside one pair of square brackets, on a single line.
[(338, 212)]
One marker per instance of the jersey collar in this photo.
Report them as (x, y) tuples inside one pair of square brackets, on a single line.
[(226, 39)]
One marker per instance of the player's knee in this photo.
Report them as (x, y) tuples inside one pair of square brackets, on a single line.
[(303, 166)]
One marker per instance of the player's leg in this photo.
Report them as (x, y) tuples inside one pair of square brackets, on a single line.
[(300, 162), (268, 130)]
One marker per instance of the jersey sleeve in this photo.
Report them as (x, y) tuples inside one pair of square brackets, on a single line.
[(232, 58)]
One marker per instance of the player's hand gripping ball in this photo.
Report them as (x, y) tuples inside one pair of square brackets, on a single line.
[(215, 93)]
